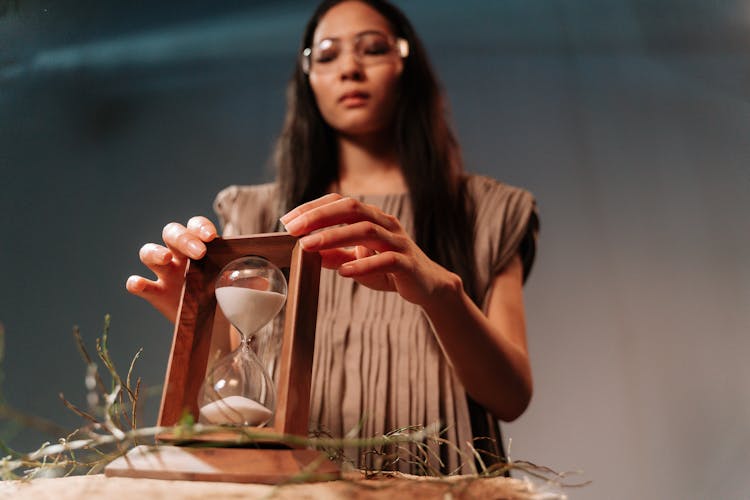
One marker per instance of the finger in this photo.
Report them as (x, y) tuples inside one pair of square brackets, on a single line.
[(362, 252), (366, 234), (386, 262), (202, 227), (141, 287), (154, 293), (341, 211), (336, 257), (182, 242), (306, 207), (167, 268), (154, 256)]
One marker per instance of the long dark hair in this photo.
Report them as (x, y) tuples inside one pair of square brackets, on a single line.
[(307, 154)]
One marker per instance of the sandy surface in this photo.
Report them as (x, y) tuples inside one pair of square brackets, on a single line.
[(114, 488)]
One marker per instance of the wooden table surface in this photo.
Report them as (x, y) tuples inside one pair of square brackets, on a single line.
[(354, 486)]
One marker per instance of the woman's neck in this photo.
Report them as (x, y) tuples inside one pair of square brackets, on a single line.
[(368, 165)]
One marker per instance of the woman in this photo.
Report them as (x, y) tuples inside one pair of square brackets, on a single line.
[(421, 314)]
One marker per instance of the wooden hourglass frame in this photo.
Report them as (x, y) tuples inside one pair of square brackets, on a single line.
[(200, 321)]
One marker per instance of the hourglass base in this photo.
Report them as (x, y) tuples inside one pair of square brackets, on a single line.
[(231, 436), (235, 465)]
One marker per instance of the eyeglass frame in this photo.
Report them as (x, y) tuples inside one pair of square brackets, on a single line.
[(401, 44)]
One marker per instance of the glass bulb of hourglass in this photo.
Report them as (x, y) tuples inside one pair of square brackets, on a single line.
[(238, 390)]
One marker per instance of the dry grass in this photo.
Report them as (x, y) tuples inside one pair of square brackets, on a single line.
[(110, 429)]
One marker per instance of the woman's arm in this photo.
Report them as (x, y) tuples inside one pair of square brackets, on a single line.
[(487, 352)]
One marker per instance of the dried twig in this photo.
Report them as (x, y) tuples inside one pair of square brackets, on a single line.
[(86, 357), (76, 410), (111, 431)]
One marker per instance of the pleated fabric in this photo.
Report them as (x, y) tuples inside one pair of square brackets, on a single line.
[(377, 364)]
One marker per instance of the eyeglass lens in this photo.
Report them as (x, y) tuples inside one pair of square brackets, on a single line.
[(369, 49)]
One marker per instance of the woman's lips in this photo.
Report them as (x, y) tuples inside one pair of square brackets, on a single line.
[(354, 98)]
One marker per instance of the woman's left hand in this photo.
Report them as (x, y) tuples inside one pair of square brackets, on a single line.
[(370, 246), (363, 242)]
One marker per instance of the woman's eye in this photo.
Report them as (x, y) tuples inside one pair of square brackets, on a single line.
[(325, 56), (376, 48)]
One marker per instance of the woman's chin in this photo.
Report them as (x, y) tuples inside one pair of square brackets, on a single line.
[(357, 126)]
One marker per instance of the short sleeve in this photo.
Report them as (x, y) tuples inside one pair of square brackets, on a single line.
[(506, 224), (244, 210)]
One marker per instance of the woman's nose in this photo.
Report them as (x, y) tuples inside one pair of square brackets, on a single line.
[(349, 66)]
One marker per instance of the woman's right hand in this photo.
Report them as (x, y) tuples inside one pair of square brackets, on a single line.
[(169, 262)]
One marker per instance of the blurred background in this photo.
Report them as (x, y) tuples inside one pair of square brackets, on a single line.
[(628, 119)]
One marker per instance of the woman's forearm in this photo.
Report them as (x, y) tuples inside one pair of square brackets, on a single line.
[(490, 360)]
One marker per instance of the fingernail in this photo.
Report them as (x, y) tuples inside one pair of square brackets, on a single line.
[(134, 284), (293, 225), (205, 233), (346, 269), (287, 216), (309, 241), (195, 249)]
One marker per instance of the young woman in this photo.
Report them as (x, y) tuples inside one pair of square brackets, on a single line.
[(421, 315)]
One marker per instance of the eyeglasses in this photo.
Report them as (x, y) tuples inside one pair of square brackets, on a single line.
[(369, 48)]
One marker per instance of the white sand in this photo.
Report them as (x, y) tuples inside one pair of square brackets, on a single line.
[(248, 309), (236, 410)]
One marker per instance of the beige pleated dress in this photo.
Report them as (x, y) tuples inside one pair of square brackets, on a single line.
[(377, 364)]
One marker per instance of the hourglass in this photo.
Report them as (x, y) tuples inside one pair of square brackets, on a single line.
[(239, 390), (239, 280)]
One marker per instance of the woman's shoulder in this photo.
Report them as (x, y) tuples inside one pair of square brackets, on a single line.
[(506, 222), (483, 189), (248, 209), (246, 194), (491, 198)]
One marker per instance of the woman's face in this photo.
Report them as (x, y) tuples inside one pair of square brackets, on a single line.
[(354, 98)]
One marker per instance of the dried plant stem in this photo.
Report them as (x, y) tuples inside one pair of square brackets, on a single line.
[(111, 430), (86, 357), (77, 410)]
